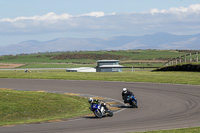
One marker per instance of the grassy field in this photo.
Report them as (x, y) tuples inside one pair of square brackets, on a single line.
[(27, 107), (125, 54), (89, 58), (128, 76)]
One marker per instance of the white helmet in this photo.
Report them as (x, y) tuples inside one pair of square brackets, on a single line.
[(90, 100), (124, 90)]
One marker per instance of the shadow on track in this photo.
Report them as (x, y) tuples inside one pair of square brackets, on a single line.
[(126, 107)]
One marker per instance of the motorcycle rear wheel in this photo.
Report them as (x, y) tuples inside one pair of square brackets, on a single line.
[(110, 113)]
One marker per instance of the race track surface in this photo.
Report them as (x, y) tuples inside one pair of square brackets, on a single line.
[(161, 106)]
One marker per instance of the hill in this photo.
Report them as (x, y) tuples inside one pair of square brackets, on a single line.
[(150, 41)]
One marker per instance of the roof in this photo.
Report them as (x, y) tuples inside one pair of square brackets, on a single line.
[(82, 69), (108, 61), (111, 66)]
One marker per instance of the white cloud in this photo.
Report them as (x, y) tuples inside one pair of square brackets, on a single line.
[(191, 9), (94, 14), (49, 16), (182, 20)]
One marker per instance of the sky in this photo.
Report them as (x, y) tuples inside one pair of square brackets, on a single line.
[(43, 20)]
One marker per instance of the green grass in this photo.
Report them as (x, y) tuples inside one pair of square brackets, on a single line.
[(127, 76), (130, 55), (73, 65), (184, 130), (59, 65), (142, 64), (26, 106), (37, 60)]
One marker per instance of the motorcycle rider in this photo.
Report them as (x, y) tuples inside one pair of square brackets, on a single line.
[(125, 93), (97, 101)]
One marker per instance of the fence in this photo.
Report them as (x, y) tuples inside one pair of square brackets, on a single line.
[(188, 58)]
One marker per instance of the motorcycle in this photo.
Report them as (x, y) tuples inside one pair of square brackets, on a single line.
[(100, 111), (132, 101)]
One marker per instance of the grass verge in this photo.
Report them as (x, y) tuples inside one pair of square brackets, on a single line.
[(135, 76), (18, 107), (60, 65), (183, 130)]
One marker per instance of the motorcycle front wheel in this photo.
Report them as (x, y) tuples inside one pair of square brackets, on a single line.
[(134, 104), (97, 113)]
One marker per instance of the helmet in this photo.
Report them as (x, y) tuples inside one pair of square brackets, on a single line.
[(124, 90), (90, 100)]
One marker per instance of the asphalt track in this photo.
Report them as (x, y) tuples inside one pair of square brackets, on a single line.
[(161, 106)]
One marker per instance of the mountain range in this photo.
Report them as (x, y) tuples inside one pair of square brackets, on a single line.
[(149, 41)]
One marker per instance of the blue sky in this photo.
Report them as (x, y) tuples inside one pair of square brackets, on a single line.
[(43, 20), (16, 8)]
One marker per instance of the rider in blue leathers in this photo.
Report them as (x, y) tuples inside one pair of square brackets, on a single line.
[(97, 101)]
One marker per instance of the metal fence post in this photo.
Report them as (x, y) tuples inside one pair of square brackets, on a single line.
[(185, 59)]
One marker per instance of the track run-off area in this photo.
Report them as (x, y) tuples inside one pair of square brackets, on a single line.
[(161, 106)]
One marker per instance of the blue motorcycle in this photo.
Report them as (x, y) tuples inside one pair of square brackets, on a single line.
[(99, 111), (132, 101)]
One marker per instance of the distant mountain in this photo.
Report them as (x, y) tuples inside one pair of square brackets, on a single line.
[(150, 41)]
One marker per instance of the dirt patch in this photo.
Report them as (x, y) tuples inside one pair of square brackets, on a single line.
[(87, 56), (5, 65)]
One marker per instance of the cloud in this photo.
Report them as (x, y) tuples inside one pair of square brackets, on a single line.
[(195, 8), (94, 14), (181, 20), (48, 17)]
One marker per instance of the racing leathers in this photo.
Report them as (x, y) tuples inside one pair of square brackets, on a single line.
[(125, 95), (97, 101)]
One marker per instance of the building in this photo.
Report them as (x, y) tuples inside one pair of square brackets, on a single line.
[(108, 66)]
